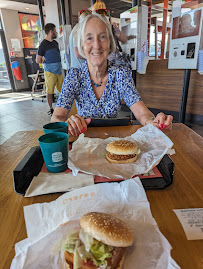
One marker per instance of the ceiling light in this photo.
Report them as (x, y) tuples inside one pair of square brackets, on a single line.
[(27, 8)]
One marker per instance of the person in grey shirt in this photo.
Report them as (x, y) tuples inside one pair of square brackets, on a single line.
[(75, 59)]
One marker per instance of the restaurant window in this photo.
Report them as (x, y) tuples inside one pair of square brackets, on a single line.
[(30, 27), (159, 38), (156, 36)]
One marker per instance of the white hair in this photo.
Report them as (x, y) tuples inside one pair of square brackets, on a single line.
[(81, 31)]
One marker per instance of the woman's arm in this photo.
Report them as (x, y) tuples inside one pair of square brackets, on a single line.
[(142, 113), (39, 59), (60, 114), (145, 116), (139, 109), (76, 123), (119, 35), (123, 38)]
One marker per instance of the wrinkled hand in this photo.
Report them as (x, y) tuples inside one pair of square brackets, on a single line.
[(163, 122), (77, 125)]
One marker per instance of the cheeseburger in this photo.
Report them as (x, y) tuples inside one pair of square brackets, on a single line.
[(99, 244), (121, 151)]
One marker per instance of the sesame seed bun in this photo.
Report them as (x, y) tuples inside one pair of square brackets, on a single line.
[(107, 229), (122, 147), (121, 151)]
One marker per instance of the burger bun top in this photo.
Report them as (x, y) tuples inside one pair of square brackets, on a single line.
[(122, 147), (108, 229)]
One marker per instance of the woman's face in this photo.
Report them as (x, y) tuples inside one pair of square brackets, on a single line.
[(96, 45)]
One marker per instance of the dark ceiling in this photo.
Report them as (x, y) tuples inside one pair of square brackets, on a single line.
[(32, 2), (115, 6)]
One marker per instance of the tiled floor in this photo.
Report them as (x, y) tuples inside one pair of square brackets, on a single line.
[(19, 112)]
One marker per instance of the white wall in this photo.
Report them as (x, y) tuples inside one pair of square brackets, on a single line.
[(51, 11)]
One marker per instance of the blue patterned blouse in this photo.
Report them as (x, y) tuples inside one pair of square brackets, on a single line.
[(77, 85)]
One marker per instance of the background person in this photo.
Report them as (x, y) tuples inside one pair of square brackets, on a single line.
[(49, 54), (99, 86), (75, 58), (119, 57), (98, 5)]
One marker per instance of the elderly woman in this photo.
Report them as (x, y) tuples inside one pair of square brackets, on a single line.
[(99, 86)]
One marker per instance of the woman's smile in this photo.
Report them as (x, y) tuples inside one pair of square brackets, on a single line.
[(96, 54)]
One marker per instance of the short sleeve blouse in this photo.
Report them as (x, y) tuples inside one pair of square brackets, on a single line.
[(77, 86)]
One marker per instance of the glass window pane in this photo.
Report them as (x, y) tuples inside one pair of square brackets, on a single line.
[(4, 78)]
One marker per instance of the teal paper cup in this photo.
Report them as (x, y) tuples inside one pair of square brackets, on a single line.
[(54, 147), (55, 127)]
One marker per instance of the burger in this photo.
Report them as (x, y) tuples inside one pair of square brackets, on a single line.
[(99, 244), (121, 151)]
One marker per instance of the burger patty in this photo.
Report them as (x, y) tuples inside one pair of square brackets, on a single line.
[(69, 259), (117, 255), (113, 262), (119, 157)]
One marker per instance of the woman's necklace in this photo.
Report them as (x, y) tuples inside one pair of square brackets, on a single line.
[(98, 85)]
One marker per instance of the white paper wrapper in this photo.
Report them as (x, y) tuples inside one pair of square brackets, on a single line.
[(126, 200), (88, 154), (51, 183)]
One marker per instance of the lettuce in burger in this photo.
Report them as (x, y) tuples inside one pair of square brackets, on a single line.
[(100, 244)]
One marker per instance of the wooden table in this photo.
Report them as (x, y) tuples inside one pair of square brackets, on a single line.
[(185, 192)]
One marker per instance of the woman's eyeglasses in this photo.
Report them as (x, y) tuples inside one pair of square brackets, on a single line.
[(85, 12)]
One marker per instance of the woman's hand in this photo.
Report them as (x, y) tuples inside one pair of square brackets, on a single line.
[(163, 122), (144, 116), (77, 125)]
